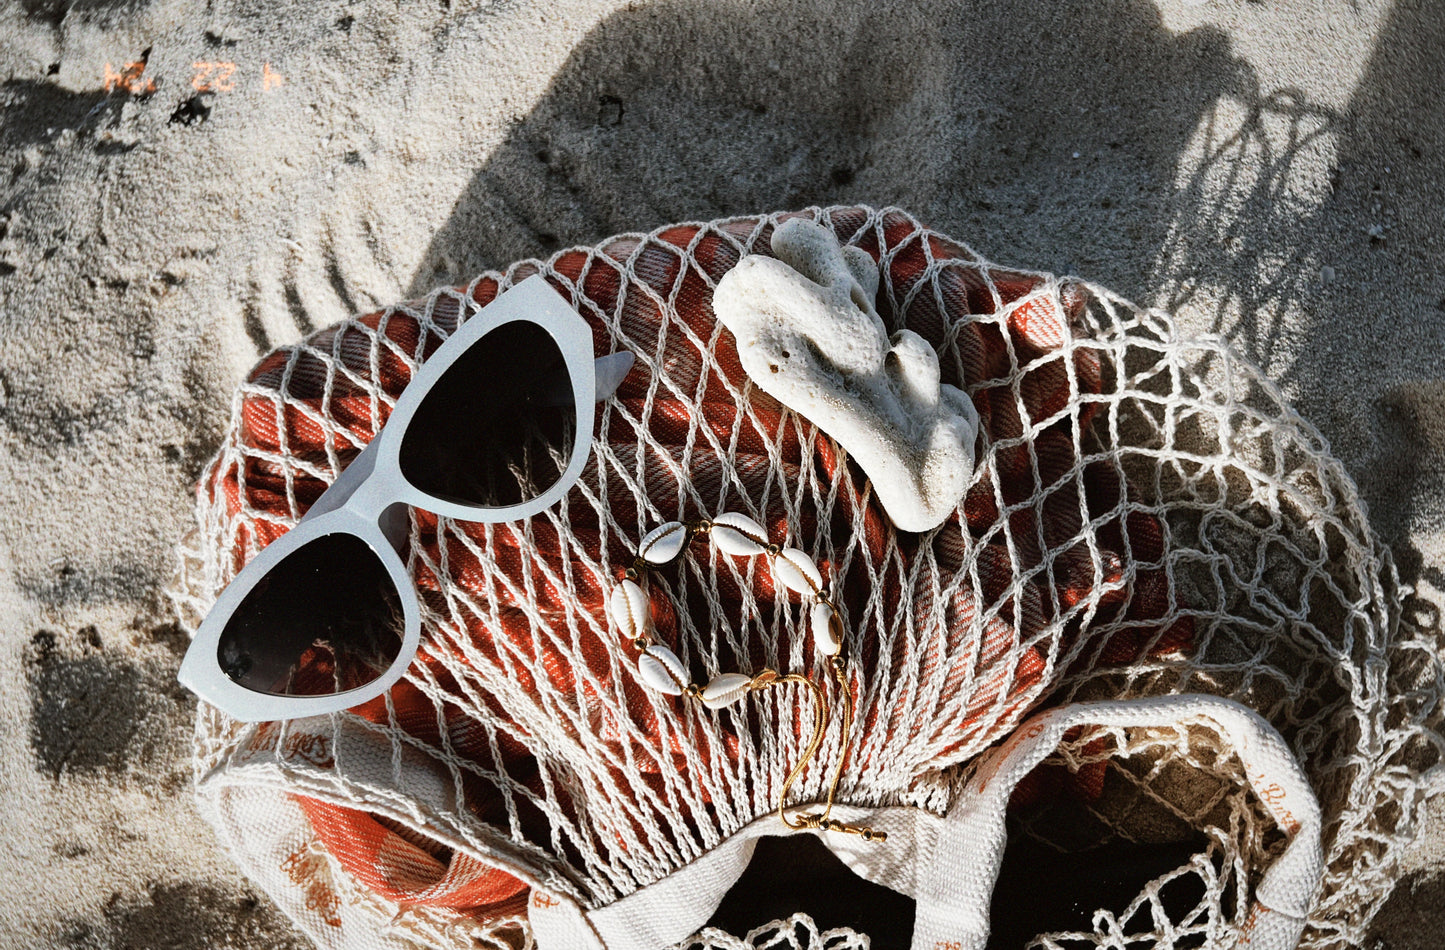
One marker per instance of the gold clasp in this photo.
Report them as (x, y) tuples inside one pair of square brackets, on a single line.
[(823, 823)]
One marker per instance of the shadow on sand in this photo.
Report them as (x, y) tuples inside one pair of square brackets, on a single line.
[(1019, 128)]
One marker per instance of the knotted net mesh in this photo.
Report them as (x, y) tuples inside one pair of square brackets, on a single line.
[(1146, 517), (798, 932)]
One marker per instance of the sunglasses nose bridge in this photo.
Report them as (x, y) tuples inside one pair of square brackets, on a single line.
[(371, 490), (380, 499)]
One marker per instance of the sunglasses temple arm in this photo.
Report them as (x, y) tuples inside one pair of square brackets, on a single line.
[(611, 371)]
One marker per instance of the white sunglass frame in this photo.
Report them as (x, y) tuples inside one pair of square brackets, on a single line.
[(369, 499)]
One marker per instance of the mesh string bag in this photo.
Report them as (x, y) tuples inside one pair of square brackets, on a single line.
[(1146, 518)]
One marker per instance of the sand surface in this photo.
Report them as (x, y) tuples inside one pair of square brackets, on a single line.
[(184, 186)]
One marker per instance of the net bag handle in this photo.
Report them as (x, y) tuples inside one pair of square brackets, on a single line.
[(949, 865)]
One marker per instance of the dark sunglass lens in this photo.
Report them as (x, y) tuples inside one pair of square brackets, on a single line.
[(325, 620), (498, 428)]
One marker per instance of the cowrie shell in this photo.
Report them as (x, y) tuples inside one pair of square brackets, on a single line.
[(826, 632), (725, 689), (663, 543), (660, 668), (738, 535), (629, 609), (797, 571)]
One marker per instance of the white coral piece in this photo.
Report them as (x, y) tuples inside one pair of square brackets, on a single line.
[(808, 335)]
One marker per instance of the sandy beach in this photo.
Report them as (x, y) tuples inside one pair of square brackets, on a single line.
[(185, 187)]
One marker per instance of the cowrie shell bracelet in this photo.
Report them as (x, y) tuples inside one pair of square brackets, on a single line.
[(659, 668)]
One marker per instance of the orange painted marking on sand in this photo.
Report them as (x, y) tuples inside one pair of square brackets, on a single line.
[(270, 79), (129, 79), (213, 77)]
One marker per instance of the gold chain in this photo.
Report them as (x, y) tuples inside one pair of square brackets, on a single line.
[(770, 678)]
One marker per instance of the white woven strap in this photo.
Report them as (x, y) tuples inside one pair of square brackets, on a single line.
[(949, 865)]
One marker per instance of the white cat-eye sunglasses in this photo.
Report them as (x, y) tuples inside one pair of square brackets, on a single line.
[(495, 426)]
